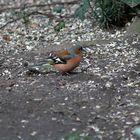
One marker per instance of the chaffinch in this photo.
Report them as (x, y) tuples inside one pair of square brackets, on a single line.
[(63, 60)]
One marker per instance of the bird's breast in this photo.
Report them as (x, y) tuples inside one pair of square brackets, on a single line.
[(70, 65)]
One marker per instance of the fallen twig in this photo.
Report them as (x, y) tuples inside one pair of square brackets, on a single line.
[(48, 15), (38, 5)]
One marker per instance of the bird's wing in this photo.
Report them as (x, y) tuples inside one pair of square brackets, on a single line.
[(56, 59), (64, 55)]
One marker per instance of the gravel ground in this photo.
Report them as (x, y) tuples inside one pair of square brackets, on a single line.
[(101, 99)]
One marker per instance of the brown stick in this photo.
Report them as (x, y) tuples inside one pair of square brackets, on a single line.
[(38, 5), (49, 15)]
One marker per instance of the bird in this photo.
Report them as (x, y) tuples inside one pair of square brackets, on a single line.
[(64, 61)]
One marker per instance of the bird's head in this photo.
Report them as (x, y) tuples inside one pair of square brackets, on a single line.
[(78, 49)]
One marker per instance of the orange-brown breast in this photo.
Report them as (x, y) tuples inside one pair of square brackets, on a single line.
[(70, 65)]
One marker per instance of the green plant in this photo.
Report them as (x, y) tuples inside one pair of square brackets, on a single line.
[(58, 9), (108, 13), (22, 14), (76, 136), (59, 26), (112, 13), (82, 9), (131, 3), (26, 20)]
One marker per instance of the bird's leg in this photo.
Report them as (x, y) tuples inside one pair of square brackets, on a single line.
[(66, 73), (69, 73)]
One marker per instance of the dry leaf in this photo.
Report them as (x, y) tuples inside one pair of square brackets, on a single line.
[(6, 37), (34, 24)]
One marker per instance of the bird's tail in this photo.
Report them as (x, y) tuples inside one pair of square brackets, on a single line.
[(44, 65)]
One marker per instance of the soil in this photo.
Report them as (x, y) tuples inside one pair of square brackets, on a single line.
[(48, 106)]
